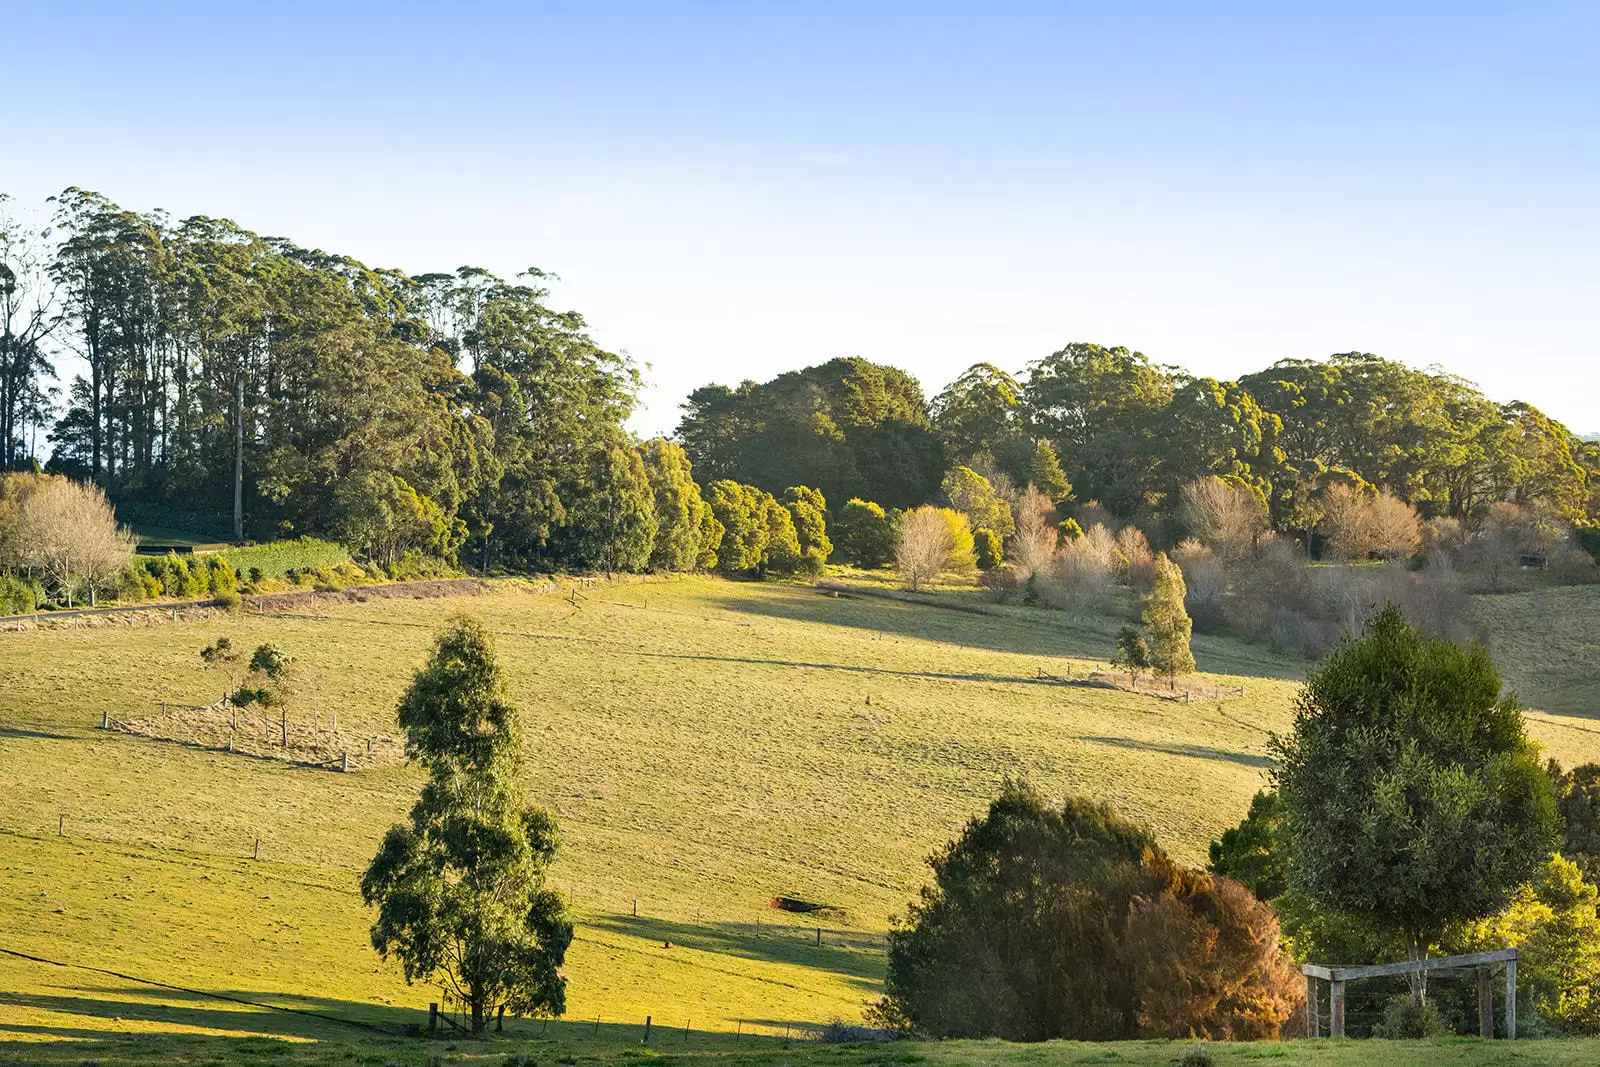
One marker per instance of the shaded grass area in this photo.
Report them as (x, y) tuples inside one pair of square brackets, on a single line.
[(707, 746), (1546, 643), (571, 1044), (147, 534)]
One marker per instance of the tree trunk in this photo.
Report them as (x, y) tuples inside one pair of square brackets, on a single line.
[(477, 1014), (1417, 951), (238, 460)]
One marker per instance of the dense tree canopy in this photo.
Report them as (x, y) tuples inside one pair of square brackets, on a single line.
[(1108, 425), (248, 386), (264, 389), (1069, 922), (848, 427), (1411, 796)]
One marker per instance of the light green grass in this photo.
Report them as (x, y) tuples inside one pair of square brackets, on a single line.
[(707, 745), (277, 558)]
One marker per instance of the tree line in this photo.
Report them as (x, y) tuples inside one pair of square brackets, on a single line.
[(1106, 425), (250, 387)]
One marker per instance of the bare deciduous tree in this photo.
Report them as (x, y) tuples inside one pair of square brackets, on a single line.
[(1205, 578), (1035, 540), (923, 546), (1080, 577), (68, 531), (1357, 525), (1229, 518)]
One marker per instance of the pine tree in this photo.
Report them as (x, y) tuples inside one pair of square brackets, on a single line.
[(461, 891), (1166, 621), (1046, 474)]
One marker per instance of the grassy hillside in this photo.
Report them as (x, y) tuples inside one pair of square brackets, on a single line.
[(707, 745)]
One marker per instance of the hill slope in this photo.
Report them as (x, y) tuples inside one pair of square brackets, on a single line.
[(707, 745)]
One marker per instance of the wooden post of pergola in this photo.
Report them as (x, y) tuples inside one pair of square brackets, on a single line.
[(1483, 962)]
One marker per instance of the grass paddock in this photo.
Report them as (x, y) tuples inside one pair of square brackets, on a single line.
[(707, 746)]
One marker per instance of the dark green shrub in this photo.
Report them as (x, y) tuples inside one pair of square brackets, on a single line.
[(1046, 923), (131, 586), (175, 580), (1251, 853), (1404, 1018), (863, 535), (229, 600), (16, 597), (987, 547), (220, 575), (1588, 538)]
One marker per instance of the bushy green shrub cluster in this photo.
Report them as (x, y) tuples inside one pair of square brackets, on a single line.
[(335, 578), (1048, 922), (17, 597), (176, 577)]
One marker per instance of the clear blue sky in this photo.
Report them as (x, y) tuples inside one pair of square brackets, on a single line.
[(732, 190)]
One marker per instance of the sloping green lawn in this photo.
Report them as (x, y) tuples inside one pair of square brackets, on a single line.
[(707, 745)]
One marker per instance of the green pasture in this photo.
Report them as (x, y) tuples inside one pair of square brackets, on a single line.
[(147, 534), (707, 745)]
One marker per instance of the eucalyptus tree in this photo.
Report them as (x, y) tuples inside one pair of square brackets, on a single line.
[(29, 314), (461, 889)]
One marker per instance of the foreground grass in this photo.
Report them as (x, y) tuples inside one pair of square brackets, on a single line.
[(707, 745), (621, 1046)]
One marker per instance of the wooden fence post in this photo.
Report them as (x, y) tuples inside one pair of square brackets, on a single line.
[(258, 848), (433, 1017), (1336, 1010), (283, 728), (1485, 1004), (1511, 1000), (1313, 1024), (819, 937), (346, 767), (646, 1040), (105, 720), (61, 827), (635, 907), (500, 1020)]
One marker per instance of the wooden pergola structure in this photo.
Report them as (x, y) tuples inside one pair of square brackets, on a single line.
[(1483, 962)]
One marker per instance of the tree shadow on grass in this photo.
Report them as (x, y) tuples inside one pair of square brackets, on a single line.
[(851, 668), (924, 622), (180, 1008), (1016, 629), (17, 731), (1221, 755), (856, 956)]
